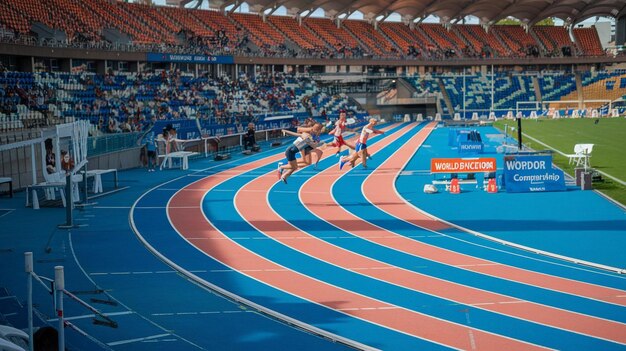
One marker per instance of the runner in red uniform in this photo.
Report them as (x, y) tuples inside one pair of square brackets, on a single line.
[(337, 132)]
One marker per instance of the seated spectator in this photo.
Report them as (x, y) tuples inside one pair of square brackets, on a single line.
[(249, 140), (50, 157)]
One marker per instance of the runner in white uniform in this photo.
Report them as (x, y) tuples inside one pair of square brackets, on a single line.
[(361, 145), (303, 141)]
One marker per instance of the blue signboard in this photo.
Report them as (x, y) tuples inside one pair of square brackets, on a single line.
[(470, 147), (454, 136), (532, 173), (209, 129), (188, 58), (185, 128), (468, 142)]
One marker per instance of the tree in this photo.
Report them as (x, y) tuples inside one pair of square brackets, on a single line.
[(509, 21), (546, 22)]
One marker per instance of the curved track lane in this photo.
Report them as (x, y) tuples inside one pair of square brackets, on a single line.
[(378, 312), (187, 212)]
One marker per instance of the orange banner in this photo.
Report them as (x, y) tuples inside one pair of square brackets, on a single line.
[(462, 165)]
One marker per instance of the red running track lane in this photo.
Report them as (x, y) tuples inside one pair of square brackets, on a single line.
[(392, 203), (185, 213), (251, 202)]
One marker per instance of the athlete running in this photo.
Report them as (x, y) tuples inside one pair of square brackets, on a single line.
[(304, 140), (337, 132), (361, 146)]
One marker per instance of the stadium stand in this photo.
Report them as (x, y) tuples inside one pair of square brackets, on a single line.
[(447, 42), (341, 41), (555, 40), (263, 34), (373, 40), (588, 41), (300, 35), (128, 102), (484, 44), (519, 42), (107, 24)]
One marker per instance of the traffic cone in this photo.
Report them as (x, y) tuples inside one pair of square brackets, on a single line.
[(492, 187), (455, 188)]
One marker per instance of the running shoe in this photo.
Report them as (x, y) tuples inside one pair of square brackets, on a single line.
[(279, 171), (283, 179), (341, 163)]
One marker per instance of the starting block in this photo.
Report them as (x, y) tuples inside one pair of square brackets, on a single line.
[(221, 157)]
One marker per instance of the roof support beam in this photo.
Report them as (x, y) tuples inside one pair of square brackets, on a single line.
[(621, 12), (581, 13), (503, 14), (307, 15), (538, 17), (237, 5), (273, 5), (426, 13)]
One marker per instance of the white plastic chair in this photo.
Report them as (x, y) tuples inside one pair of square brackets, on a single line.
[(581, 155)]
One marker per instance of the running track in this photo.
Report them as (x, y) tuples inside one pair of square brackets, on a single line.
[(345, 254)]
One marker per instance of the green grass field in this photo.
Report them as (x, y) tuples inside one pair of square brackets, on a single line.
[(608, 137)]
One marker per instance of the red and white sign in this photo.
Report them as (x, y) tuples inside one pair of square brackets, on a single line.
[(463, 165)]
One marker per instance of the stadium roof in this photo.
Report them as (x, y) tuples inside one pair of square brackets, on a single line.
[(488, 11)]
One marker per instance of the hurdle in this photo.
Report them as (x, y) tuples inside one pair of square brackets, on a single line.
[(58, 291)]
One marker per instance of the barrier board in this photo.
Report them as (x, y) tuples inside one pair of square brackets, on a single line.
[(531, 173)]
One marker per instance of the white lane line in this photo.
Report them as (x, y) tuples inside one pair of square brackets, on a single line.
[(130, 341), (369, 308), (85, 316), (142, 272), (113, 207)]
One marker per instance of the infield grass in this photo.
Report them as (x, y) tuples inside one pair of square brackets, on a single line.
[(609, 151)]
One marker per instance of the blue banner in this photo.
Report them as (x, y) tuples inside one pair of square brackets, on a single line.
[(188, 58), (221, 129), (454, 134), (185, 128), (531, 173), (208, 129), (470, 148), (468, 142)]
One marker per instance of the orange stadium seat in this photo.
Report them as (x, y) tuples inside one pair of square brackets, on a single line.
[(338, 38), (301, 35), (218, 21), (188, 22), (485, 39), (262, 32), (471, 37), (553, 38), (148, 24), (396, 32), (446, 40), (515, 37), (371, 39), (589, 41), (13, 19)]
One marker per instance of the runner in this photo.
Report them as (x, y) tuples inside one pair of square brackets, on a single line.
[(337, 132), (361, 146), (303, 141), (306, 159)]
